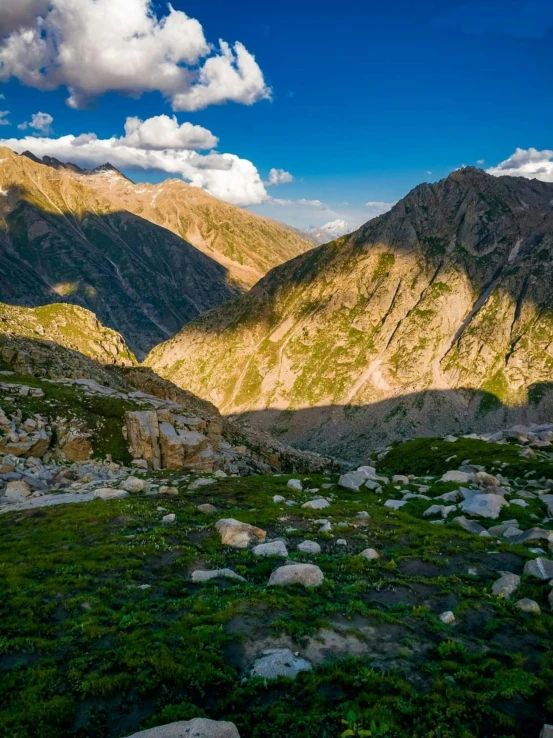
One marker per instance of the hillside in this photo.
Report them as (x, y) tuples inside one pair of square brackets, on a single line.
[(247, 245), (434, 317), (97, 240)]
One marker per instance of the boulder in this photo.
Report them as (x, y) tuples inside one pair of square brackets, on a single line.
[(202, 482), (527, 605), (168, 491), (469, 525), (548, 500), (540, 568), (168, 519), (107, 493), (196, 728), (206, 508), (279, 662), (400, 479), (442, 510), (309, 547), (275, 548), (456, 476), (395, 504), (447, 617), (17, 490), (533, 535), (308, 575), (143, 436), (295, 484), (370, 554), (353, 480), (506, 585), (278, 498), (205, 576), (238, 535), (485, 506), (318, 504), (133, 484), (73, 444), (172, 451)]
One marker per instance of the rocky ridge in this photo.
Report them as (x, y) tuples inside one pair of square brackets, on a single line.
[(434, 317)]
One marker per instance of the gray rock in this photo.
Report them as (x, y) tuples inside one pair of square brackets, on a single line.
[(202, 482), (370, 554), (456, 476), (400, 479), (205, 576), (17, 491), (307, 574), (447, 617), (295, 484), (469, 525), (363, 515), (275, 548), (279, 662), (527, 605), (309, 547), (168, 519), (547, 731), (533, 535), (317, 504), (485, 506), (107, 493), (506, 585), (207, 508), (442, 510), (133, 484), (395, 504), (196, 728), (278, 498), (540, 568), (353, 480)]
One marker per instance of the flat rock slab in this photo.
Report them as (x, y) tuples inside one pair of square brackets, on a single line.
[(275, 548), (307, 574), (205, 576), (197, 728), (47, 501), (279, 662), (485, 505), (319, 504)]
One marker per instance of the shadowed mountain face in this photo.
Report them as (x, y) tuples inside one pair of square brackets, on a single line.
[(95, 239), (450, 290)]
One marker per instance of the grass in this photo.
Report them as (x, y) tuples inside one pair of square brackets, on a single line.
[(103, 633)]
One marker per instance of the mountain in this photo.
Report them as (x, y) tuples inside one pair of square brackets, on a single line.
[(93, 238), (435, 317), (329, 231), (247, 245)]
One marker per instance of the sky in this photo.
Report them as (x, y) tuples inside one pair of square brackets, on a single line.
[(305, 112)]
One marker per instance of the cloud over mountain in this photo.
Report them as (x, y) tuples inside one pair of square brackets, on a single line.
[(97, 46), (530, 163)]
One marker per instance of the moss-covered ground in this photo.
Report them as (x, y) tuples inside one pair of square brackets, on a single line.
[(102, 631)]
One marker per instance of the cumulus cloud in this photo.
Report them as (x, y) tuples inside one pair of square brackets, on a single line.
[(279, 176), (97, 46), (39, 121), (163, 132), (3, 118), (226, 176), (530, 163), (302, 202)]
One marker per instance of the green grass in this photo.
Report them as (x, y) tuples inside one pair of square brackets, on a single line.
[(86, 653)]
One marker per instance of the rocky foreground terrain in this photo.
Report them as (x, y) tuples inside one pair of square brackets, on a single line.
[(432, 318), (159, 579)]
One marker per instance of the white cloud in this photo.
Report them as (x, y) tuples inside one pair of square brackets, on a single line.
[(300, 203), (163, 132), (480, 162), (226, 176), (279, 176), (530, 163), (39, 121), (96, 46), (3, 121), (377, 207)]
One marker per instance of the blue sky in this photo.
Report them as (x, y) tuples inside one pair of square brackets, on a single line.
[(366, 99)]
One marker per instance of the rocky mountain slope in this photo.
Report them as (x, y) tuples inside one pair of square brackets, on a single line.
[(245, 244), (434, 317), (95, 239)]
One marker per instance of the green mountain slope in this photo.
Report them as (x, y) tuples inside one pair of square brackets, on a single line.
[(435, 317)]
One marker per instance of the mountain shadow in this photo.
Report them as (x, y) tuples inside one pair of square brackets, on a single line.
[(353, 432), (137, 277)]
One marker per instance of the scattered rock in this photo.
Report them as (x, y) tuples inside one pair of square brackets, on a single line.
[(295, 484), (196, 728), (279, 662), (202, 482), (204, 576), (168, 519), (456, 476), (527, 605), (168, 491), (506, 585), (278, 498), (395, 504), (370, 554), (447, 617), (469, 525), (540, 568), (207, 508), (485, 505), (239, 535), (107, 493), (133, 484), (17, 491), (400, 479), (275, 548), (319, 504), (442, 510), (307, 574), (309, 547)]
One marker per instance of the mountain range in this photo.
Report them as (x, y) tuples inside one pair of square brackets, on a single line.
[(435, 317), (329, 231), (145, 258)]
